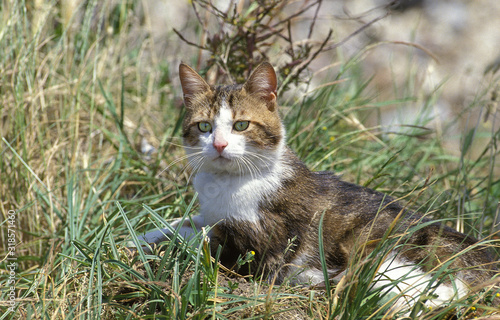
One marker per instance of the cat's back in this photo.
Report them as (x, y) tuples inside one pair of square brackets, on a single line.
[(357, 214), (325, 192)]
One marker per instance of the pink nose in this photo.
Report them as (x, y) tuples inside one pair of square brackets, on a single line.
[(220, 145)]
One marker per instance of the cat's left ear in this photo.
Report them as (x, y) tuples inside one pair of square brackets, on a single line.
[(263, 83)]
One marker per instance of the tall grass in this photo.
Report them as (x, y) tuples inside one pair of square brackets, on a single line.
[(79, 96)]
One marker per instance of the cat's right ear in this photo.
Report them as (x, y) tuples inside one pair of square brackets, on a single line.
[(192, 83), (263, 84)]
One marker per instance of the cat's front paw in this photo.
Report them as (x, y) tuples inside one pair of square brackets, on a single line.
[(150, 240), (185, 228)]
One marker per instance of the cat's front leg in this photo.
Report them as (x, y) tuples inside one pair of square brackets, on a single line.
[(188, 229)]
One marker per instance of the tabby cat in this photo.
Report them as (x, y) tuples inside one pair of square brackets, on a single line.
[(258, 197)]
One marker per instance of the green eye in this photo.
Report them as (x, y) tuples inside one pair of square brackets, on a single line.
[(204, 126), (241, 125)]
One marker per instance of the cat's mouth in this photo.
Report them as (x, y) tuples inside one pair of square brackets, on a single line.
[(222, 159)]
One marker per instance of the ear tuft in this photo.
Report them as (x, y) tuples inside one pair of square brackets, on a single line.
[(263, 83), (192, 83)]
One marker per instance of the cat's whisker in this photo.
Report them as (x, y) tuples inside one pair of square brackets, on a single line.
[(190, 165), (253, 169), (195, 165), (194, 159), (253, 164), (173, 163), (174, 143), (265, 160), (247, 166), (261, 156), (191, 157), (239, 162), (192, 148)]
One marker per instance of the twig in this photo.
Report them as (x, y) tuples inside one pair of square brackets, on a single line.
[(311, 27), (187, 41), (358, 31), (296, 14)]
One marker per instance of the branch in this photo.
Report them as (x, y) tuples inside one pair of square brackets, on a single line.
[(187, 41), (338, 44)]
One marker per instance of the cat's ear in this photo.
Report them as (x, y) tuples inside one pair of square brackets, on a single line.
[(192, 83), (263, 83)]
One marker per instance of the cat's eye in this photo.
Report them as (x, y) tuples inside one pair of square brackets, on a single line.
[(241, 125), (204, 126)]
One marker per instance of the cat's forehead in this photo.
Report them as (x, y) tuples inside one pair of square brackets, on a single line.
[(226, 90), (228, 96)]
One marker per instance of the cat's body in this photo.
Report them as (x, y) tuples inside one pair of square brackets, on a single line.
[(258, 196)]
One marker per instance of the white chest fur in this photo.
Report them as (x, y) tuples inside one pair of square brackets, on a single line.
[(226, 197)]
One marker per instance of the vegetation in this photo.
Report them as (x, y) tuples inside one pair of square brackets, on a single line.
[(91, 155)]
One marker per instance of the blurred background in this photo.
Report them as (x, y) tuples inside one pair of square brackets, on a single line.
[(450, 46)]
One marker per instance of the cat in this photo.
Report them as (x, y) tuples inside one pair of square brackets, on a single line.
[(258, 197)]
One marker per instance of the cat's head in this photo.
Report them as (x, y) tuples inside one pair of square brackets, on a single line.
[(233, 129)]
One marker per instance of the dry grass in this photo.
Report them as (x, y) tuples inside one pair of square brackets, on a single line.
[(79, 97)]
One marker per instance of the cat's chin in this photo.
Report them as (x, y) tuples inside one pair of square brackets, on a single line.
[(220, 165)]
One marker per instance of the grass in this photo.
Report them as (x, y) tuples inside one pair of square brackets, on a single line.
[(76, 104)]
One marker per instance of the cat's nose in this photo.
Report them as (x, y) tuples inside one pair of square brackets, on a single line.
[(220, 145)]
